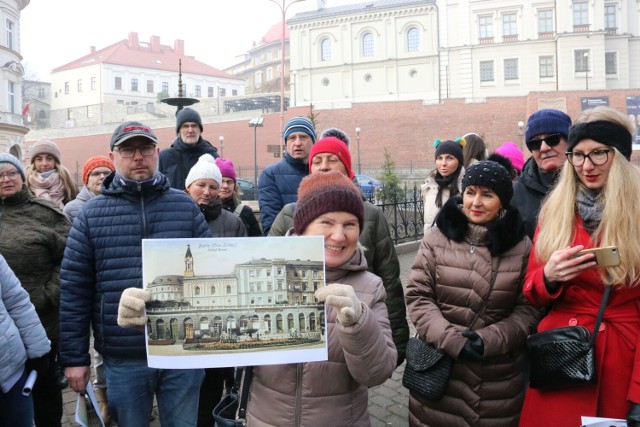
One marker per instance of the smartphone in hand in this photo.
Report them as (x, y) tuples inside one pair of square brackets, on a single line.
[(606, 256)]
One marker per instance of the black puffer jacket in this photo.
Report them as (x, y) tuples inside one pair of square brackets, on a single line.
[(33, 234), (247, 216), (177, 160), (222, 223)]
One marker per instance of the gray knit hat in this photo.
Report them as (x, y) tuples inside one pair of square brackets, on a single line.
[(188, 115), (45, 146), (10, 158)]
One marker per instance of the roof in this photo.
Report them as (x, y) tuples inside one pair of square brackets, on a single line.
[(153, 55), (355, 8)]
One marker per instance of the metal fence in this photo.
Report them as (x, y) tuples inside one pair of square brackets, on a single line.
[(404, 213)]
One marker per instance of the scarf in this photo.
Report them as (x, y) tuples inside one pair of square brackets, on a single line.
[(590, 208), (444, 182), (47, 187)]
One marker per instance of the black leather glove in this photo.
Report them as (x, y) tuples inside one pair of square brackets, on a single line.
[(473, 349), (633, 416), (39, 364)]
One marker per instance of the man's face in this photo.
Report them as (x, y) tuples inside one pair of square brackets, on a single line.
[(550, 158), (299, 145), (190, 132), (142, 164)]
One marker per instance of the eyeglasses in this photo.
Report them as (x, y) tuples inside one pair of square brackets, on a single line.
[(100, 173), (551, 140), (596, 157), (11, 175), (145, 150)]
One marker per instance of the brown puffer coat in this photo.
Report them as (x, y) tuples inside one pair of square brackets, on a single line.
[(448, 284), (334, 392)]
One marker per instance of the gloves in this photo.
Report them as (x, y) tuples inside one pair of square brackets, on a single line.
[(131, 308), (344, 299), (633, 416), (38, 364), (473, 349)]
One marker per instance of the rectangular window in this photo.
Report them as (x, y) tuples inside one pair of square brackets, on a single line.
[(66, 88), (511, 69), (120, 102), (198, 91), (545, 21), (12, 97), (509, 24), (41, 93), (546, 66), (581, 60), (485, 26), (79, 85), (10, 25), (234, 92), (165, 87), (486, 71), (580, 13), (118, 83), (134, 85), (611, 62), (94, 83), (223, 92), (210, 92), (269, 74), (150, 86), (610, 16)]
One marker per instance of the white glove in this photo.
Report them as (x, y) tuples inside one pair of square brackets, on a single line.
[(131, 308), (344, 299)]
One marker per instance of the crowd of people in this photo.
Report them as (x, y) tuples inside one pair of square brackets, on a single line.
[(499, 261)]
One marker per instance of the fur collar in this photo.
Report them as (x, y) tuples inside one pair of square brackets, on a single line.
[(500, 236)]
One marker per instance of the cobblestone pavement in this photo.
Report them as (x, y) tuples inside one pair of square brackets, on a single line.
[(388, 403)]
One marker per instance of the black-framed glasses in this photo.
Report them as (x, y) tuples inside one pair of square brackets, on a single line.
[(596, 157), (551, 140), (145, 150)]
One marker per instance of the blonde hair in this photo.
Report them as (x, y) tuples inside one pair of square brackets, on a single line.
[(70, 189), (620, 219)]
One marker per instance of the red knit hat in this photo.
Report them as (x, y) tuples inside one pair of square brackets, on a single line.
[(335, 146), (320, 193), (96, 162)]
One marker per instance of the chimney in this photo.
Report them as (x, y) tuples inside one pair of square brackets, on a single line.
[(321, 4), (92, 50), (133, 40), (178, 47), (155, 43)]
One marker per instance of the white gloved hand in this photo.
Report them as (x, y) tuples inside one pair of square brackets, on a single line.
[(344, 299), (131, 308)]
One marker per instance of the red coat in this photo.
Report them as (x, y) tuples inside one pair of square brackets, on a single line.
[(617, 364)]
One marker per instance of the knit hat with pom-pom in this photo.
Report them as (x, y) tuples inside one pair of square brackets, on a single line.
[(205, 168)]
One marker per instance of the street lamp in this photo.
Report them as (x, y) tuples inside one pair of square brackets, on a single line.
[(521, 133), (283, 9), (358, 140), (221, 138), (586, 69), (255, 124)]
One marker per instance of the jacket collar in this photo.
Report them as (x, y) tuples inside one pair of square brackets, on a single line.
[(535, 179), (117, 184), (298, 164)]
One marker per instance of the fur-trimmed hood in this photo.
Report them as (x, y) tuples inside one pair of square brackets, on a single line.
[(500, 235)]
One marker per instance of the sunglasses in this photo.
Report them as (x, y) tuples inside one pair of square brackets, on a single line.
[(551, 140)]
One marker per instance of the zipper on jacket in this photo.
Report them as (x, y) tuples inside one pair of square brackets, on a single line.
[(143, 219), (474, 243), (298, 405)]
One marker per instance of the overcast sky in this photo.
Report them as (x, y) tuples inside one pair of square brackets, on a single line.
[(56, 32)]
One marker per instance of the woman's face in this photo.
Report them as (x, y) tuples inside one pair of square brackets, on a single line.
[(227, 188), (446, 164), (480, 204), (203, 191), (593, 176), (96, 176), (10, 181), (44, 162), (341, 231)]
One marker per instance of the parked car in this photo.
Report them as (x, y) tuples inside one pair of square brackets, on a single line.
[(369, 186), (248, 190)]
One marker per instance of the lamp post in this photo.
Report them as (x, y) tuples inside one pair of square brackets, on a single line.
[(358, 141), (255, 124), (521, 133), (283, 9), (586, 69), (221, 138)]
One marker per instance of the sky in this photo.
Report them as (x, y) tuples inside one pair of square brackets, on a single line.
[(56, 32)]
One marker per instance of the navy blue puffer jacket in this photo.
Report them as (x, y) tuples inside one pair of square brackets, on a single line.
[(103, 257)]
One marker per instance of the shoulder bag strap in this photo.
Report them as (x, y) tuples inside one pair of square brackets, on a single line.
[(495, 265), (238, 209), (603, 305), (244, 397)]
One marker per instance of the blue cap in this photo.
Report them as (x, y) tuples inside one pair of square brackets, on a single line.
[(299, 124), (548, 121)]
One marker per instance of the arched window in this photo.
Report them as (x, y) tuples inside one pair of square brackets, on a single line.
[(213, 290), (413, 40), (228, 289), (367, 44), (197, 290), (325, 50)]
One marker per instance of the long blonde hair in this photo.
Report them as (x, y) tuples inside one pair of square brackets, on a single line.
[(620, 224)]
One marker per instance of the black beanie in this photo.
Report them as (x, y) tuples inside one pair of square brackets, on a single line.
[(605, 132), (449, 147), (188, 115), (493, 175)]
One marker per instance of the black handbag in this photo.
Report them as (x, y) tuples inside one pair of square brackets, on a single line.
[(231, 411), (564, 357), (427, 370)]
